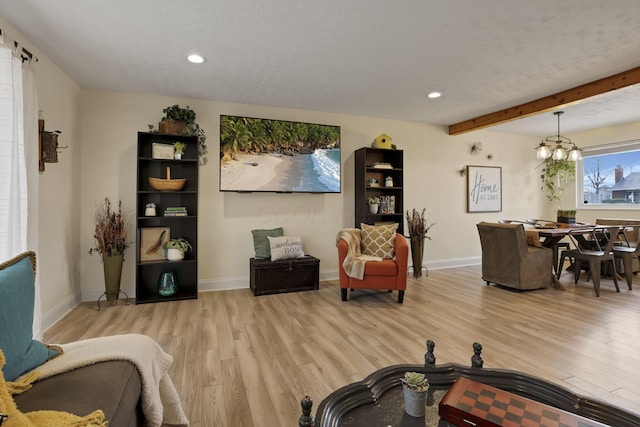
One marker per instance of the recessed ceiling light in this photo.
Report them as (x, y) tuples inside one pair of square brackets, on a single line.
[(196, 59), (434, 95)]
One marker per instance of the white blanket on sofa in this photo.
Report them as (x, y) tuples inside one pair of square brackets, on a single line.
[(160, 401)]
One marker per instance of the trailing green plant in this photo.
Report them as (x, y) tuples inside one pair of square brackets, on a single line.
[(373, 201), (555, 174), (178, 243), (417, 225), (110, 232), (188, 117), (415, 381)]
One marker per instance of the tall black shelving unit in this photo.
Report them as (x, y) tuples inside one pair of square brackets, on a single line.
[(186, 271), (368, 165)]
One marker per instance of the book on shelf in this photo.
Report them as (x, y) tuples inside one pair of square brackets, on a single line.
[(387, 205), (382, 165), (175, 211)]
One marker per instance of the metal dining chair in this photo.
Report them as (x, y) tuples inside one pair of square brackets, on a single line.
[(595, 256), (626, 253)]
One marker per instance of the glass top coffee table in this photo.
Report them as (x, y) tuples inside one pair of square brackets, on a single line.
[(377, 400)]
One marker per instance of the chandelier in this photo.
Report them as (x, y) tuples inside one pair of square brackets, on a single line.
[(556, 148)]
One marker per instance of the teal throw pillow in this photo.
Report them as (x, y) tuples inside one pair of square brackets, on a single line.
[(17, 293), (261, 242)]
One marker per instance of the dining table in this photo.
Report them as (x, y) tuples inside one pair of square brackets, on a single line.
[(550, 236)]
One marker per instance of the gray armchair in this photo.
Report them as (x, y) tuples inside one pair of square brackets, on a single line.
[(507, 260)]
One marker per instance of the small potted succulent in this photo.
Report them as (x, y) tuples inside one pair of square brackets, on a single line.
[(179, 147), (415, 387), (374, 203), (176, 248)]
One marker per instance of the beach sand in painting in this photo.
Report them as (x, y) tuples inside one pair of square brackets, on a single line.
[(260, 172)]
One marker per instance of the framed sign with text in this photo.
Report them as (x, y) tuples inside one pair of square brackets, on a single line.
[(484, 189)]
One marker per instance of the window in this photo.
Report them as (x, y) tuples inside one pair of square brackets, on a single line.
[(608, 176)]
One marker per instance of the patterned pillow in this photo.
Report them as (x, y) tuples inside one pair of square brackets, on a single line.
[(285, 247), (378, 240)]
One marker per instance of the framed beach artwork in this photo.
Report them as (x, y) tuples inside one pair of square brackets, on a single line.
[(152, 240), (484, 189), (265, 155)]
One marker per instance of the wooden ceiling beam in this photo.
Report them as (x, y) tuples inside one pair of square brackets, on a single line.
[(566, 97)]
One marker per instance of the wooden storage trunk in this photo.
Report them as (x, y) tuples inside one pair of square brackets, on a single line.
[(272, 277)]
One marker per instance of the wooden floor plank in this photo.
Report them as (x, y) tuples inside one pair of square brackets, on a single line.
[(241, 360)]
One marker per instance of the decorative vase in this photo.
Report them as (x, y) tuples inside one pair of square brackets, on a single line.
[(373, 209), (417, 252), (415, 402), (175, 254), (167, 284), (177, 156), (112, 266)]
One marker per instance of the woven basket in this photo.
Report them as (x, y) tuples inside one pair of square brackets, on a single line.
[(167, 184), (171, 126)]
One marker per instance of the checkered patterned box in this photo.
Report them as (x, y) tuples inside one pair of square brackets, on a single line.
[(469, 403)]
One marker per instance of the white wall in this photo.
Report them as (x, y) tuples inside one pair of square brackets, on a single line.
[(111, 120)]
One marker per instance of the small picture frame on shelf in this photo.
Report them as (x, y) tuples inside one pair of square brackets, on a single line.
[(162, 151), (152, 240)]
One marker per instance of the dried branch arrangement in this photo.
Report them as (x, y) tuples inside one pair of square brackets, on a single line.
[(110, 233), (417, 224)]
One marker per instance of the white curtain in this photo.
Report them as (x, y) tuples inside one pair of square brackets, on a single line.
[(18, 123), (13, 172)]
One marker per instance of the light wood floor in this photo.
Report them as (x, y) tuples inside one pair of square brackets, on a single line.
[(241, 360)]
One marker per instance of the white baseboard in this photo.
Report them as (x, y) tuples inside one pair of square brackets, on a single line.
[(52, 316), (230, 283)]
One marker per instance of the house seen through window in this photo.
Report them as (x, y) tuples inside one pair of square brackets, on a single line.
[(609, 175)]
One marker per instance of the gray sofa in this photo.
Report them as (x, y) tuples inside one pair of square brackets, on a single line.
[(507, 260), (114, 387)]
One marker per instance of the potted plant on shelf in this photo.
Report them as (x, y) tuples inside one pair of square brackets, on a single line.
[(182, 121), (415, 387), (418, 232), (110, 237), (373, 203), (176, 248), (179, 147)]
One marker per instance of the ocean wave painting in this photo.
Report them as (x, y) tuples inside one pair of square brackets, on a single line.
[(278, 156)]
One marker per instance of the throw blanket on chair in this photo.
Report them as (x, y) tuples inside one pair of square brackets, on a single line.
[(160, 401), (355, 261)]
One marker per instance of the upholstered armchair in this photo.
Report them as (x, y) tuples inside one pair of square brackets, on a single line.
[(387, 274), (507, 260)]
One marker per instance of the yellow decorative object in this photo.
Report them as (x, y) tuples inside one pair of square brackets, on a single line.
[(15, 418), (383, 141)]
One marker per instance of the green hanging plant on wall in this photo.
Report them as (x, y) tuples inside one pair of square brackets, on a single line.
[(555, 174)]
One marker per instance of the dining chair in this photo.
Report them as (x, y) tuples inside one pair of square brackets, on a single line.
[(627, 253), (595, 256)]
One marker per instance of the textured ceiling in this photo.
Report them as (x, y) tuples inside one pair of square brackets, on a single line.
[(367, 57)]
